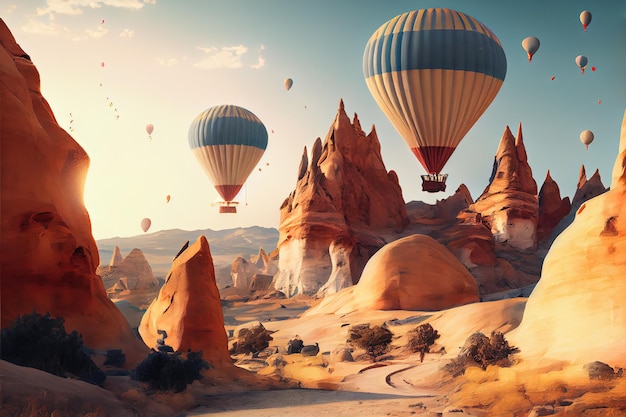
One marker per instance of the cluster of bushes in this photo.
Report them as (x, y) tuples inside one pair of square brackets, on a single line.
[(170, 371), (480, 350), (422, 338), (41, 342)]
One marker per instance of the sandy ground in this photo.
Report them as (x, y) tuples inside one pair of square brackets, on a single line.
[(295, 385)]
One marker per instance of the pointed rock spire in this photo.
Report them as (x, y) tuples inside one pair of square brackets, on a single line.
[(519, 145), (304, 163), (116, 258), (582, 177), (619, 169)]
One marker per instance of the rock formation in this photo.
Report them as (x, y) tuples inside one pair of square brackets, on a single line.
[(509, 204), (48, 256), (552, 208), (243, 271), (587, 188), (329, 225), (134, 270), (577, 311), (188, 308), (117, 257), (412, 273)]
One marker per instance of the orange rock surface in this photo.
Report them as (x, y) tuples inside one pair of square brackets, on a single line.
[(330, 224), (48, 256), (188, 308), (577, 311), (412, 273)]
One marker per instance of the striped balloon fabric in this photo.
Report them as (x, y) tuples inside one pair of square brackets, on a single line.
[(228, 142), (433, 72)]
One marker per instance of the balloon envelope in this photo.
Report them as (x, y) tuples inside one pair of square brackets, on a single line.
[(531, 45), (145, 224), (586, 137), (149, 128), (168, 198), (581, 61), (288, 83), (585, 18), (228, 141), (433, 72)]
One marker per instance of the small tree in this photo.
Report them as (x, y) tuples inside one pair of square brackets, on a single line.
[(422, 338), (374, 340), (41, 342)]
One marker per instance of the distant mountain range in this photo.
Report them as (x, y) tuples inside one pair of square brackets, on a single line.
[(159, 248)]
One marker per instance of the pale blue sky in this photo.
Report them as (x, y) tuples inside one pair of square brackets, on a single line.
[(166, 61)]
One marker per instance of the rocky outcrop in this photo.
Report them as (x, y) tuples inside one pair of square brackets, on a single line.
[(509, 204), (134, 270), (587, 188), (577, 311), (188, 308), (330, 224), (116, 258), (412, 273), (48, 256), (552, 208), (243, 271)]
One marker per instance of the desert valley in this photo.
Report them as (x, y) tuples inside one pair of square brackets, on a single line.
[(509, 303)]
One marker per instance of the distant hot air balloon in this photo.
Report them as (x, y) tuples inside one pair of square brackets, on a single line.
[(599, 101), (593, 69), (228, 141), (168, 198), (581, 61), (102, 64), (145, 224), (149, 130), (585, 18), (552, 78), (288, 83), (433, 72), (586, 137), (530, 45)]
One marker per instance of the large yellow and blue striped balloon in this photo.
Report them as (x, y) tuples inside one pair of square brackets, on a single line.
[(433, 72), (228, 141)]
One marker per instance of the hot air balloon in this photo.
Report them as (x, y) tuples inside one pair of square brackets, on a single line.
[(228, 141), (593, 69), (145, 224), (288, 83), (581, 61), (585, 18), (586, 137), (433, 72), (167, 199), (530, 45)]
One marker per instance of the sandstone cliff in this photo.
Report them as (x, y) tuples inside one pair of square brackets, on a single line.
[(577, 311), (48, 256), (330, 224)]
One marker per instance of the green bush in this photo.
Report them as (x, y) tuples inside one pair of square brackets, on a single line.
[(374, 340), (167, 371), (41, 342)]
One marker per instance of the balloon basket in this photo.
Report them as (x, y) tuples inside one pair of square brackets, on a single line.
[(434, 183), (228, 209)]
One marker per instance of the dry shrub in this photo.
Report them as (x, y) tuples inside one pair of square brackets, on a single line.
[(422, 338), (374, 340), (480, 350)]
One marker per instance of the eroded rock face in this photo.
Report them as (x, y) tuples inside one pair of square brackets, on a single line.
[(552, 208), (133, 270), (48, 256), (243, 271), (577, 311), (509, 204), (330, 224), (188, 308)]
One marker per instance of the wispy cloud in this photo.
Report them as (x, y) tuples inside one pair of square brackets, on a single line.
[(74, 7), (98, 33), (42, 28), (127, 33), (167, 62), (260, 63), (8, 9), (225, 57)]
